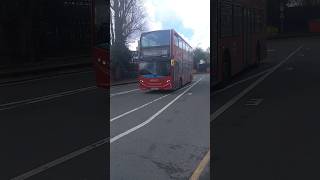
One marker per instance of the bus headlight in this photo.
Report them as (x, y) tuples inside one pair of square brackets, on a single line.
[(99, 59), (141, 81), (172, 62), (104, 62), (168, 81)]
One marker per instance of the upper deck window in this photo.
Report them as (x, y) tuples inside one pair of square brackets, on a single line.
[(156, 38)]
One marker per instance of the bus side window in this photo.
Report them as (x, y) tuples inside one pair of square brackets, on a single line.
[(187, 51), (176, 45), (180, 47), (184, 50), (176, 42)]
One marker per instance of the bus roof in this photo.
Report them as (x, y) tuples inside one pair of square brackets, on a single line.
[(168, 30)]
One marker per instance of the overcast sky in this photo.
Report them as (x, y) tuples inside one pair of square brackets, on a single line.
[(190, 18)]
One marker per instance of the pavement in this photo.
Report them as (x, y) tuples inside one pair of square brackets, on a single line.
[(53, 68), (44, 66), (267, 126), (159, 135), (44, 69)]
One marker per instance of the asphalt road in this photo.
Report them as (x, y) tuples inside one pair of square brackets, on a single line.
[(58, 128), (47, 121), (267, 126), (159, 135)]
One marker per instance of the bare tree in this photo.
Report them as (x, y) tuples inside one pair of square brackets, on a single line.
[(127, 20)]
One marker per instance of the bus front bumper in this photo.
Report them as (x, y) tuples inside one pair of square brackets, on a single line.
[(165, 86)]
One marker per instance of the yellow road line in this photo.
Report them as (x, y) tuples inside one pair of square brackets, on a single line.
[(196, 174)]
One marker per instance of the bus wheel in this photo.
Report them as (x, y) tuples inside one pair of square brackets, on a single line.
[(180, 83)]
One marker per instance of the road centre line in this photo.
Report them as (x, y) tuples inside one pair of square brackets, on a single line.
[(15, 104), (142, 106), (222, 109), (242, 81), (115, 138), (75, 153), (123, 92)]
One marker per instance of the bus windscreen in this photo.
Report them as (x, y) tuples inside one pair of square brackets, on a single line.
[(155, 68)]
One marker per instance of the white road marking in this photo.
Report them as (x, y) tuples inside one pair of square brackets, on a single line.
[(61, 160), (2, 84), (289, 68), (271, 50), (222, 109), (123, 92), (242, 81), (75, 153), (15, 104), (115, 138), (142, 106), (254, 102)]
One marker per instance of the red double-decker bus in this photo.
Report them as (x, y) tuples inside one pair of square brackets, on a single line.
[(241, 37), (165, 60), (100, 42)]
